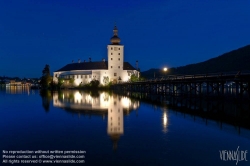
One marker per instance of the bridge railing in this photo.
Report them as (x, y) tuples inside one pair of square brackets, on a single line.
[(195, 76)]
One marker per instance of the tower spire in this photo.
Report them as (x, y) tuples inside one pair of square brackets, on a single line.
[(115, 39)]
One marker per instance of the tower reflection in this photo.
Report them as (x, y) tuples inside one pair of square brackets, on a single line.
[(104, 104)]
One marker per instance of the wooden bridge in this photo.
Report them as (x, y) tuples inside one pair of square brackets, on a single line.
[(215, 84)]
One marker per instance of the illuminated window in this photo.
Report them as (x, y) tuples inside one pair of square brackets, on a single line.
[(89, 76), (119, 48), (111, 59), (111, 53), (118, 59), (119, 54), (115, 74), (111, 66), (77, 76), (111, 48), (85, 76), (119, 67)]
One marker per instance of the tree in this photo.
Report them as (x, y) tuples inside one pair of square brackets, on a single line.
[(105, 80), (134, 78), (60, 82), (46, 70), (94, 83), (71, 81), (46, 78)]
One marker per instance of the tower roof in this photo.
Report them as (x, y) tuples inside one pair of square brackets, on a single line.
[(92, 66), (115, 39)]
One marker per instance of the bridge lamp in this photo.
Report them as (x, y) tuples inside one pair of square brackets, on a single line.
[(165, 70)]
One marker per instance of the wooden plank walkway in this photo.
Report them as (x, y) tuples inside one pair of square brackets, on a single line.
[(215, 84)]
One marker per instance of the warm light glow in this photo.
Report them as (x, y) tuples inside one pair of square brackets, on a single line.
[(165, 121), (78, 96), (125, 102), (165, 69), (104, 101)]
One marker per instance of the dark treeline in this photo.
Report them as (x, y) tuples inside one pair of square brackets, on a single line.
[(236, 60), (3, 79)]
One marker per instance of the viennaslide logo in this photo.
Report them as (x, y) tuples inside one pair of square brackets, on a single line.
[(233, 155)]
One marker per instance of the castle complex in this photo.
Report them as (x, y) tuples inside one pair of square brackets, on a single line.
[(113, 70)]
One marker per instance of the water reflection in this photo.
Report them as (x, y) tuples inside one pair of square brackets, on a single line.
[(17, 89), (98, 103), (46, 98), (233, 112), (164, 120)]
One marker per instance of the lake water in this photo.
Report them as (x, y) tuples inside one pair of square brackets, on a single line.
[(114, 129)]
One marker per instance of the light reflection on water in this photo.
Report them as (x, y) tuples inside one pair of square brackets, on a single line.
[(165, 121), (113, 106), (18, 90), (110, 105), (140, 133)]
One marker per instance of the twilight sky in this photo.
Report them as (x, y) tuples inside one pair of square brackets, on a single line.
[(157, 33)]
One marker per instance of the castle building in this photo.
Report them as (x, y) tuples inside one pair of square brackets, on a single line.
[(113, 70)]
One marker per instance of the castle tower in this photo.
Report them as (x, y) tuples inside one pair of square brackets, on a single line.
[(115, 57)]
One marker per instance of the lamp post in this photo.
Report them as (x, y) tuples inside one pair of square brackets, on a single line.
[(165, 70)]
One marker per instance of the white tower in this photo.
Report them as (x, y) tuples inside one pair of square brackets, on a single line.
[(115, 57)]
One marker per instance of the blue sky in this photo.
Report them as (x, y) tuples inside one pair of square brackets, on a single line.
[(157, 33)]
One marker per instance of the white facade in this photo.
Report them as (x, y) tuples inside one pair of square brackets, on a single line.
[(115, 65), (113, 70)]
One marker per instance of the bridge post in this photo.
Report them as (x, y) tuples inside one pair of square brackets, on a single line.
[(241, 88), (248, 89), (237, 87), (199, 88), (195, 89), (207, 88), (222, 87)]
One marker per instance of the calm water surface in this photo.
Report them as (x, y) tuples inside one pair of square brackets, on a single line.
[(113, 129)]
